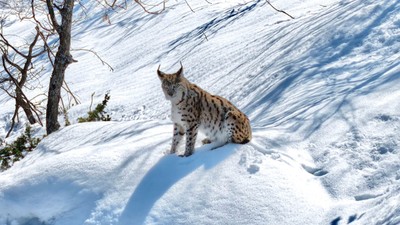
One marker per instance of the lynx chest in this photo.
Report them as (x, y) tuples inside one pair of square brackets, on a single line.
[(185, 113), (176, 115)]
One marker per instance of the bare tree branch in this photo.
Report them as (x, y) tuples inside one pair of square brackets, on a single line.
[(5, 59), (48, 49), (13, 121), (189, 6), (16, 66), (33, 10), (7, 92), (144, 7), (5, 41), (52, 15), (68, 90), (278, 10), (30, 55), (4, 80), (95, 53), (19, 77)]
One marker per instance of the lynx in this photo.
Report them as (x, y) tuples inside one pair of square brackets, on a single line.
[(195, 109)]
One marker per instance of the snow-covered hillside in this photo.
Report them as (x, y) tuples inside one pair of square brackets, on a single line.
[(321, 91)]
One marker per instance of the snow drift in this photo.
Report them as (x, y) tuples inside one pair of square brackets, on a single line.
[(321, 91)]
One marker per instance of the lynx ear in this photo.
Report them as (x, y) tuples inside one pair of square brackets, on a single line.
[(179, 73), (161, 75)]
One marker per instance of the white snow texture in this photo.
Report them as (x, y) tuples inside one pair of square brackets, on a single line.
[(321, 91)]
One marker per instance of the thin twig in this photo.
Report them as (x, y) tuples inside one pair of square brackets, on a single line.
[(5, 41), (95, 53), (91, 101), (33, 108), (37, 21), (205, 36), (189, 6), (279, 10), (68, 90), (143, 6), (4, 80), (84, 9), (8, 92), (50, 53), (13, 120)]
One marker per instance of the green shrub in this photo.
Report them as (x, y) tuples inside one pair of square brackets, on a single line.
[(15, 151), (98, 114)]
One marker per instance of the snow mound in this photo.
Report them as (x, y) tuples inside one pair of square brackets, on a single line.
[(321, 91), (114, 173)]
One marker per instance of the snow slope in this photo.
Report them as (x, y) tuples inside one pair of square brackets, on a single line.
[(321, 91)]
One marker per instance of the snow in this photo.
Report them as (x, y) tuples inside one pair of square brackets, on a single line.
[(321, 91)]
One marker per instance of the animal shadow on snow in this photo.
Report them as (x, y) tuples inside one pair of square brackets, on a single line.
[(167, 172)]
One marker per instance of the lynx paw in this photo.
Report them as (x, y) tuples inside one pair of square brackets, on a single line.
[(185, 155)]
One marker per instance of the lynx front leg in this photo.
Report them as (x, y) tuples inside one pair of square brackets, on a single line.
[(191, 135), (176, 139)]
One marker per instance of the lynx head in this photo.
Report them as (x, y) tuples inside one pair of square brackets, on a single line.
[(172, 84)]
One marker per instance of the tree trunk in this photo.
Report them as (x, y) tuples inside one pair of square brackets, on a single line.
[(62, 60)]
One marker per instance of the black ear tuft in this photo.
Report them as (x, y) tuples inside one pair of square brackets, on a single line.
[(160, 74), (179, 73)]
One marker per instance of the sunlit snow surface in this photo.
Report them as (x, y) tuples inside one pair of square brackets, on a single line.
[(321, 91)]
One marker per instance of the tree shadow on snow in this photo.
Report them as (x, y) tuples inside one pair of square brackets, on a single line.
[(324, 65), (167, 172)]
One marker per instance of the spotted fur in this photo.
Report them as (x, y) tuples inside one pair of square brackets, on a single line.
[(194, 109)]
